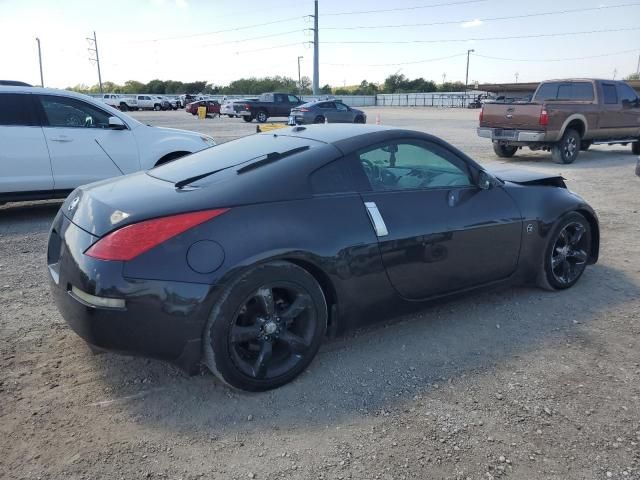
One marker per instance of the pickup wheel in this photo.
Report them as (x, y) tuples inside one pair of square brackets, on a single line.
[(585, 144), (262, 116), (124, 107), (635, 147), (247, 118), (567, 149), (157, 107), (504, 151)]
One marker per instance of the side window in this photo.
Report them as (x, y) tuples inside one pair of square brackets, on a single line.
[(72, 113), (626, 93), (547, 91), (341, 107), (327, 106), (609, 93), (407, 165), (15, 110), (280, 98), (335, 177), (293, 99), (140, 97)]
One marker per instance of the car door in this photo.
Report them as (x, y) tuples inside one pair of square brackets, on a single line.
[(82, 147), (437, 231), (24, 158), (281, 106), (611, 119), (630, 103), (343, 114), (328, 111)]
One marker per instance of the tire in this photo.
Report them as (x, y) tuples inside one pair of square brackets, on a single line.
[(262, 116), (567, 149), (566, 245), (318, 119), (247, 118), (635, 147), (585, 145), (504, 151), (240, 312), (124, 107), (358, 119), (157, 107)]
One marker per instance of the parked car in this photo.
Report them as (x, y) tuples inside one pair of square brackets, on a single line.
[(267, 105), (213, 107), (332, 111), (111, 99), (246, 255), (55, 140), (165, 104), (228, 106), (565, 116), (14, 83)]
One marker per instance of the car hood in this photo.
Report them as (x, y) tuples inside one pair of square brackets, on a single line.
[(527, 177)]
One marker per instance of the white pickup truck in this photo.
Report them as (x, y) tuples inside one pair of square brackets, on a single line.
[(55, 140), (140, 102)]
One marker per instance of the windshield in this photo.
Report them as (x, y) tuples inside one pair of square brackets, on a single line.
[(227, 155)]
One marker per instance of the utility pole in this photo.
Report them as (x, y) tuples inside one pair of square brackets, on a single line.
[(517, 75), (466, 80), (299, 77), (444, 76), (615, 72), (40, 62), (638, 69), (316, 48), (97, 59)]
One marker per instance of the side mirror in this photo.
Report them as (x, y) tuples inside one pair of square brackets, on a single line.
[(116, 124), (485, 181)]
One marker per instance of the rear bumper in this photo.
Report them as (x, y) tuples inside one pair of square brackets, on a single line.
[(512, 135), (159, 319)]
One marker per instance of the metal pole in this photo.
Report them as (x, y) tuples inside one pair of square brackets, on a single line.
[(316, 63), (40, 62), (466, 79), (299, 77), (95, 43), (638, 69)]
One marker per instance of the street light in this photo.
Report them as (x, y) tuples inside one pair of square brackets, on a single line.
[(466, 80), (299, 78)]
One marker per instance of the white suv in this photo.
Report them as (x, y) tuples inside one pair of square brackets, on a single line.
[(52, 141)]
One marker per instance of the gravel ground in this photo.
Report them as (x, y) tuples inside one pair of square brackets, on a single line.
[(517, 383)]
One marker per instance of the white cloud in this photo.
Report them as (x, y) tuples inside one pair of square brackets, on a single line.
[(472, 23), (182, 4)]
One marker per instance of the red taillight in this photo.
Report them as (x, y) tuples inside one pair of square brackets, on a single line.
[(247, 106), (544, 118), (128, 242), (301, 109), (481, 116)]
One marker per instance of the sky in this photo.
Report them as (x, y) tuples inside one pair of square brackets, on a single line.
[(222, 40)]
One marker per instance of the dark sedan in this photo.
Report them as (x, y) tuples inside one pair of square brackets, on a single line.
[(330, 111), (213, 107), (246, 255)]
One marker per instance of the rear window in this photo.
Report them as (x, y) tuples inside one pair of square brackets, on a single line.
[(227, 155), (15, 109), (565, 91)]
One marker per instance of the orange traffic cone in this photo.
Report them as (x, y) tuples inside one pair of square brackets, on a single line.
[(377, 119)]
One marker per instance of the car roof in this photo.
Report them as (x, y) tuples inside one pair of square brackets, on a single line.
[(332, 132)]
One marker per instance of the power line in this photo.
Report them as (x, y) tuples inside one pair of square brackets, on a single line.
[(480, 39), (490, 19), (395, 64), (269, 48), (433, 5), (253, 38), (566, 59)]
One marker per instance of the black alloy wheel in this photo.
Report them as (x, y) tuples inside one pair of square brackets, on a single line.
[(567, 149), (568, 250), (262, 116), (247, 118), (266, 328), (359, 119), (318, 119)]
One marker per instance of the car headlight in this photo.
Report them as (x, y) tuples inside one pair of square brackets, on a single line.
[(208, 140)]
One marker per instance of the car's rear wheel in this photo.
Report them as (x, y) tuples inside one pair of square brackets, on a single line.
[(504, 151), (635, 147), (318, 119), (123, 107), (567, 253), (567, 149), (266, 327), (247, 118)]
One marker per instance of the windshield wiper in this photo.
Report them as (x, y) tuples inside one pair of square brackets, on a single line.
[(272, 157), (268, 158)]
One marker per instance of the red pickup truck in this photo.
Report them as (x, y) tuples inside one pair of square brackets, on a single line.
[(564, 117)]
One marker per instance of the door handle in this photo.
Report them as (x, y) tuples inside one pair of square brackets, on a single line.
[(376, 219), (61, 138)]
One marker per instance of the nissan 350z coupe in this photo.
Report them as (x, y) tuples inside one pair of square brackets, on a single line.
[(247, 255)]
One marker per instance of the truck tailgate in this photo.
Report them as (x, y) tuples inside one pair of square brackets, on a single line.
[(523, 116)]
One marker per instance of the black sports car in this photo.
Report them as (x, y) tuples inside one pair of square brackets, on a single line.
[(246, 255)]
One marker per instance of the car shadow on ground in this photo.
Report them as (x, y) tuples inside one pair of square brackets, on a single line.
[(611, 157), (27, 218), (375, 368)]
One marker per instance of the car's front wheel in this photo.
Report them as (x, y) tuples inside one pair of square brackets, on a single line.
[(262, 116), (266, 327), (567, 253)]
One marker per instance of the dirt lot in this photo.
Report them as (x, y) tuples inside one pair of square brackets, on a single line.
[(518, 383)]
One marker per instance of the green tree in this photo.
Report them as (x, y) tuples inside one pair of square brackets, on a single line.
[(633, 76)]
